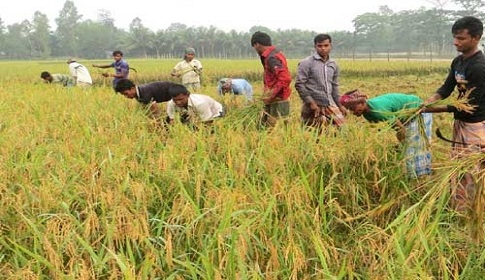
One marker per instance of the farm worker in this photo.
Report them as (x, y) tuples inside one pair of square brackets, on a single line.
[(63, 79), (402, 111), (189, 69), (318, 87), (467, 75), (122, 68), (276, 80), (193, 108), (236, 87), (150, 95), (79, 73)]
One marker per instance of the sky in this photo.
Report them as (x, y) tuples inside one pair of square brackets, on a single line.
[(313, 15)]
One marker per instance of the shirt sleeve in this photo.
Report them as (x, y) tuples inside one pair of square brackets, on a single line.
[(125, 69), (449, 84), (335, 86), (171, 109), (248, 90), (282, 74), (301, 80)]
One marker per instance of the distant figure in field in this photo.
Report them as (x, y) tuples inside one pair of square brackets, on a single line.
[(150, 94), (63, 79), (79, 73), (276, 80), (190, 70), (236, 87), (317, 84), (122, 68), (193, 108)]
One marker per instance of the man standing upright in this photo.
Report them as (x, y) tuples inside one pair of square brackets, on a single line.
[(276, 79), (189, 69), (467, 75), (121, 66), (317, 84)]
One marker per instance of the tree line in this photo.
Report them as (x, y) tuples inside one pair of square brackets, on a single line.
[(385, 32)]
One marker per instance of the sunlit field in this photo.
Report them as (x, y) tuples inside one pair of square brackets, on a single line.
[(91, 188)]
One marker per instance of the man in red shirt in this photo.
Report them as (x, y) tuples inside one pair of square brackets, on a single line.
[(277, 79)]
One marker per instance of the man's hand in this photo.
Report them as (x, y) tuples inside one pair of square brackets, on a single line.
[(316, 110), (267, 100), (105, 74)]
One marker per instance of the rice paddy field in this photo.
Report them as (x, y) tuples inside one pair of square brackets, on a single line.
[(91, 188)]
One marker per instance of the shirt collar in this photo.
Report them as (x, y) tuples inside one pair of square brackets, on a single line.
[(137, 92), (268, 51)]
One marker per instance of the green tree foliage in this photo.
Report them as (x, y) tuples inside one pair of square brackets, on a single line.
[(470, 7), (40, 36), (3, 31), (17, 41), (384, 32), (67, 24), (139, 39), (96, 39)]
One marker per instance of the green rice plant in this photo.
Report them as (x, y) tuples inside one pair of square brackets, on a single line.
[(91, 189)]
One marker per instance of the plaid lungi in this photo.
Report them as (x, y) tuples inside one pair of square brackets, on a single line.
[(418, 138), (328, 115)]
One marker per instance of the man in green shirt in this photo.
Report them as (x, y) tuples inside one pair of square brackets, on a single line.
[(63, 79), (397, 109)]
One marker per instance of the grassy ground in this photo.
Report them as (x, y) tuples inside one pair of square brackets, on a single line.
[(91, 189)]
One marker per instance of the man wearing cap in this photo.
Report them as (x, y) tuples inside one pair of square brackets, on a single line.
[(236, 87), (189, 69), (79, 73)]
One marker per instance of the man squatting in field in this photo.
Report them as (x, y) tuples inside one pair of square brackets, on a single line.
[(467, 74), (193, 108), (317, 85)]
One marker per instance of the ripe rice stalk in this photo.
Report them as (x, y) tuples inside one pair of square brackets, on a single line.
[(246, 116), (477, 209), (460, 103), (475, 165)]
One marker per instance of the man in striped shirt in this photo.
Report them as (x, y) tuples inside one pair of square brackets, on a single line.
[(317, 85)]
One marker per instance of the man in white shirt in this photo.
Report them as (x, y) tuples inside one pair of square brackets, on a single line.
[(193, 108), (79, 73)]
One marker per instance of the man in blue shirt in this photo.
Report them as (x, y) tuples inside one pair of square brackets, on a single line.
[(122, 68), (236, 87)]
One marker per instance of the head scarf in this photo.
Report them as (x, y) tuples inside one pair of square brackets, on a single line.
[(349, 99), (189, 51)]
